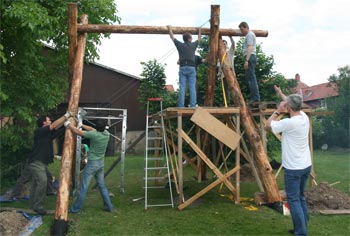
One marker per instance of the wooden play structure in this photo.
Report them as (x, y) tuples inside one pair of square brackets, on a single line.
[(221, 125)]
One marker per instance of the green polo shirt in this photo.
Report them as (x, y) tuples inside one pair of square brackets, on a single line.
[(98, 144)]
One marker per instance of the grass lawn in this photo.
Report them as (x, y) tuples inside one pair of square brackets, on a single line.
[(212, 214)]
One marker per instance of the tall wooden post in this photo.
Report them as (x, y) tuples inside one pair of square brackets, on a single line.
[(72, 37), (72, 46), (60, 226), (266, 172), (209, 95), (213, 49)]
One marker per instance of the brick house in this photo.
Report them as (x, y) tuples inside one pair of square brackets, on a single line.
[(315, 96)]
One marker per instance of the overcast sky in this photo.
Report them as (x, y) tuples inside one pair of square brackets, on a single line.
[(309, 37)]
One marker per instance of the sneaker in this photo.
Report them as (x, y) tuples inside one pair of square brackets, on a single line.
[(114, 210), (72, 212), (41, 211), (291, 231)]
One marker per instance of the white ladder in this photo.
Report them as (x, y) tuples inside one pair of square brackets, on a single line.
[(156, 157)]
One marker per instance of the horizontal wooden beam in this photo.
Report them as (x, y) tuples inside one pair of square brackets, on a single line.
[(138, 29)]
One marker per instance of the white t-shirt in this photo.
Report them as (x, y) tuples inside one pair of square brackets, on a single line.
[(295, 141), (230, 55)]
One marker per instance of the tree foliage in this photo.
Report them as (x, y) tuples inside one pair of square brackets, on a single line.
[(334, 129), (33, 82), (152, 85)]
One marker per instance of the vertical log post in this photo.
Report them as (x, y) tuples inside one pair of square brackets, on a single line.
[(60, 226), (72, 46), (266, 172), (213, 49), (179, 155), (72, 37), (209, 95)]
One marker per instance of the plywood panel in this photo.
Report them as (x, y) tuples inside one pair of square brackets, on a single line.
[(216, 128)]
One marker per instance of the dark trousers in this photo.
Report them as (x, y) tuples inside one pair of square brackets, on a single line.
[(17, 191), (251, 79)]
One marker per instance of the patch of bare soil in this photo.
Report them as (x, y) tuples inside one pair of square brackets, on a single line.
[(11, 223), (325, 197)]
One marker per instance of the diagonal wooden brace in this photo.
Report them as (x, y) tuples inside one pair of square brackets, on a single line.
[(210, 186), (221, 177)]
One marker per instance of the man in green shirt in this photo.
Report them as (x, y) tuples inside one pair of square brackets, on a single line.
[(99, 138)]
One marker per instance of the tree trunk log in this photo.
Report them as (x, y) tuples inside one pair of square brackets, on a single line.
[(72, 37), (139, 29), (260, 155), (213, 49), (72, 44), (62, 202)]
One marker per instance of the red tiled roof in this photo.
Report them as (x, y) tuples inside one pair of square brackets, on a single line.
[(319, 91), (300, 85), (170, 87)]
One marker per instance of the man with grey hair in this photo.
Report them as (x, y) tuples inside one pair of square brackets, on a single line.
[(296, 157)]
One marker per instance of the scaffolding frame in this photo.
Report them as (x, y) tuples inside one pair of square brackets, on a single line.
[(121, 116)]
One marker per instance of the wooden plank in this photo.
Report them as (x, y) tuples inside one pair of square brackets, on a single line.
[(335, 212), (238, 161), (216, 128), (206, 160), (206, 189), (179, 156)]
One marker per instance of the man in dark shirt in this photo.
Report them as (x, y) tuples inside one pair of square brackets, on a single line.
[(40, 157), (187, 71)]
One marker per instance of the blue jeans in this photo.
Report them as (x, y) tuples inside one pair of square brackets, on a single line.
[(93, 169), (251, 79), (187, 74), (295, 182)]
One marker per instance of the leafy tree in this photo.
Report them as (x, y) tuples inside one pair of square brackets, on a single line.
[(153, 85), (334, 130), (32, 81)]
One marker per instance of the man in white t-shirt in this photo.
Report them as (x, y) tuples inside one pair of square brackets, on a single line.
[(296, 157)]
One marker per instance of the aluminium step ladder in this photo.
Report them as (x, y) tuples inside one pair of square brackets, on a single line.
[(157, 173)]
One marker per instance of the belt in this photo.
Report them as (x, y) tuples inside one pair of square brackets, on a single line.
[(187, 63)]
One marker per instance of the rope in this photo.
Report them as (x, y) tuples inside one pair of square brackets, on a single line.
[(223, 92), (204, 23), (167, 54), (222, 81)]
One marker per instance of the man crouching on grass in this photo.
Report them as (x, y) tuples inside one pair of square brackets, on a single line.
[(296, 158)]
